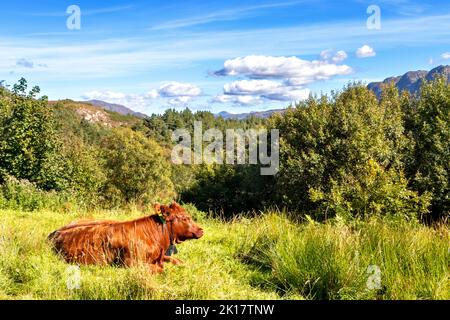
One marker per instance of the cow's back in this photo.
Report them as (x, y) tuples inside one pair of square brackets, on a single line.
[(85, 243), (110, 242)]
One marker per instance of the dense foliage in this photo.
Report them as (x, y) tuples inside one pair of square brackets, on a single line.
[(348, 155), (343, 155)]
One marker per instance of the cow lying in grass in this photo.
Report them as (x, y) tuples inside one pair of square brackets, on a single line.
[(150, 239)]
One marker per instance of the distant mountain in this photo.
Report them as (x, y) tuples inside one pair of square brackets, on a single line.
[(242, 116), (411, 81), (115, 108)]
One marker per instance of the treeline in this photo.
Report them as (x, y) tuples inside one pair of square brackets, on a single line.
[(348, 155)]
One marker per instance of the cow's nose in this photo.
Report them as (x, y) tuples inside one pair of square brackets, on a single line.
[(199, 233)]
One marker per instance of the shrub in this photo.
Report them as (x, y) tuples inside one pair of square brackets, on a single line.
[(25, 195)]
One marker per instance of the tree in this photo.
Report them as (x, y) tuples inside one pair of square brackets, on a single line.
[(136, 168), (27, 137), (428, 163), (336, 152)]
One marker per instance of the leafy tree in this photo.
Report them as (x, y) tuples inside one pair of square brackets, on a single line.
[(27, 137), (336, 152), (84, 174), (428, 124), (136, 168)]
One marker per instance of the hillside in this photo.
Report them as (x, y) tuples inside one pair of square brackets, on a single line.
[(96, 114), (117, 108), (411, 81)]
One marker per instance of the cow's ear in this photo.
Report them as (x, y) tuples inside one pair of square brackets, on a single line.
[(175, 207), (157, 208)]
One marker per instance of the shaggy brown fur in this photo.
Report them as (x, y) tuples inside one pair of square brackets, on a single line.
[(126, 243)]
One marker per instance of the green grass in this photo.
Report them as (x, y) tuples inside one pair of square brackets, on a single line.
[(268, 257)]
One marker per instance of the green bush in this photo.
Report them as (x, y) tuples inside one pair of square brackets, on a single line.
[(26, 196), (230, 189)]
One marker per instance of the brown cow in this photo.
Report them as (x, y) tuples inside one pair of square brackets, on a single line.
[(150, 239)]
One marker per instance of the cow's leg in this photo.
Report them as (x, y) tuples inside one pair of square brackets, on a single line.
[(173, 260), (154, 268)]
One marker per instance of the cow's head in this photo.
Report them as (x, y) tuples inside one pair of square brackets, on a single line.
[(184, 228)]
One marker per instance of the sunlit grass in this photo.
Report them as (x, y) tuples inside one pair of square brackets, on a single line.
[(268, 257)]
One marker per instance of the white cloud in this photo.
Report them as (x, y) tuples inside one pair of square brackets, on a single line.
[(266, 89), (241, 100), (104, 95), (298, 71), (178, 89), (253, 87), (337, 57), (176, 92), (153, 94), (133, 101), (179, 101), (365, 52), (245, 92), (326, 54), (445, 55)]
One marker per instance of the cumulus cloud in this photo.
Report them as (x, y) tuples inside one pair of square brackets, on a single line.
[(339, 57), (266, 89), (134, 101), (179, 101), (335, 57), (152, 94), (235, 99), (245, 92), (176, 93), (178, 89), (277, 78), (270, 67), (365, 52), (445, 55), (104, 95)]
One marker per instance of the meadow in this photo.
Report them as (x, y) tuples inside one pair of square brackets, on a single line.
[(268, 256)]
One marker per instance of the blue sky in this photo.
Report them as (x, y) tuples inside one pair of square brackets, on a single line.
[(236, 56)]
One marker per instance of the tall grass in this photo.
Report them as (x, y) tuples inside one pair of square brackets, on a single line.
[(337, 261), (30, 270), (268, 257)]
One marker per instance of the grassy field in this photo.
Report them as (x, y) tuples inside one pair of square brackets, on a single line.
[(269, 257)]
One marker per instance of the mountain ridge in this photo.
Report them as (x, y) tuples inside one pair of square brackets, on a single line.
[(118, 108), (411, 81)]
